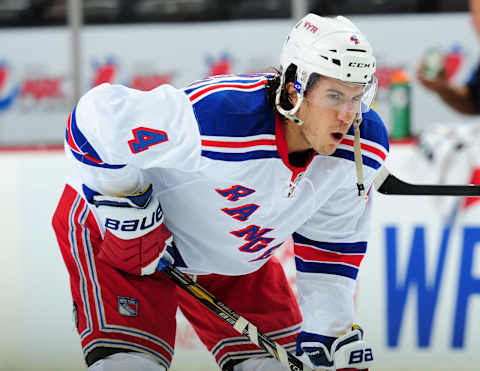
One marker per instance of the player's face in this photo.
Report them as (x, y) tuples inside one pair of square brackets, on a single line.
[(475, 14), (327, 111)]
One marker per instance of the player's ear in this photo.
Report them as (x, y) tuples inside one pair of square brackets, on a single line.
[(292, 93)]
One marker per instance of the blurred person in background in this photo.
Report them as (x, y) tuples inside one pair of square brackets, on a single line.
[(464, 98), (215, 177)]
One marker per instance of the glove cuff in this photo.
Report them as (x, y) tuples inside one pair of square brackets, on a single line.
[(346, 352)]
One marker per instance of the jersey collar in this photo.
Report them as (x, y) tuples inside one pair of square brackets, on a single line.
[(282, 149)]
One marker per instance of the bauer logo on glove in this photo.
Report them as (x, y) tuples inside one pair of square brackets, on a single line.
[(135, 237), (134, 224)]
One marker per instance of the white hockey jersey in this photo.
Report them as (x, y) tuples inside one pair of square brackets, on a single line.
[(216, 155)]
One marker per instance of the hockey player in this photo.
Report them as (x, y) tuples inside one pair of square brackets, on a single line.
[(216, 176)]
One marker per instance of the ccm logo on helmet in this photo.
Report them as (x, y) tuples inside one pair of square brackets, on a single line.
[(310, 27), (359, 64)]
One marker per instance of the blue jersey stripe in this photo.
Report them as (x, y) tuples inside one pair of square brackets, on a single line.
[(349, 155), (245, 156), (86, 161), (80, 139), (234, 113), (218, 81), (84, 145), (336, 269), (340, 247), (372, 128), (239, 77)]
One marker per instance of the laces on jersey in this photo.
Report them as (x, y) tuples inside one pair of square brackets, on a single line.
[(358, 156)]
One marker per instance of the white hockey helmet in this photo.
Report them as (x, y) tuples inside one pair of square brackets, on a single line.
[(332, 47)]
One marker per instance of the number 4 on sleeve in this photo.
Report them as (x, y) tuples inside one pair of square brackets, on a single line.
[(144, 138)]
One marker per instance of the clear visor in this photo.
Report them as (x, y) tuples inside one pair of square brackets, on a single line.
[(342, 96)]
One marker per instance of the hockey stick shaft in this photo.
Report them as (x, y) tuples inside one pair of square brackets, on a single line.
[(389, 184), (239, 323)]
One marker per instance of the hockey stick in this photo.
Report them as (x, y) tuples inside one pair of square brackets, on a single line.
[(389, 184), (238, 322)]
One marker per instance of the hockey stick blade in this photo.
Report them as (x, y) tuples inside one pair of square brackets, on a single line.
[(238, 322), (389, 184)]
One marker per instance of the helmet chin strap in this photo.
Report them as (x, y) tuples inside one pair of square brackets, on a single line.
[(290, 114), (358, 156)]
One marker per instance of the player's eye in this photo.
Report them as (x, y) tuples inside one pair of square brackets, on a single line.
[(334, 97), (357, 99)]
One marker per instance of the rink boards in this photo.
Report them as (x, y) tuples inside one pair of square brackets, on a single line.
[(418, 294)]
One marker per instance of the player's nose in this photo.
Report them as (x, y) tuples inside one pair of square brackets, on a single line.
[(346, 117)]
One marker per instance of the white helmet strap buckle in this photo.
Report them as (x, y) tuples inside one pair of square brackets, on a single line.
[(289, 114)]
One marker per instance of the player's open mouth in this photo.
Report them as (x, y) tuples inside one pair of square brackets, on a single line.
[(337, 136)]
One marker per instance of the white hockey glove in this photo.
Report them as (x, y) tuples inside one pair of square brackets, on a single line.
[(135, 237), (348, 352)]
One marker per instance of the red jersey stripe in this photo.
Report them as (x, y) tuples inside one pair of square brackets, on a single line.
[(213, 87), (250, 143), (70, 140), (367, 148), (312, 254), (73, 145)]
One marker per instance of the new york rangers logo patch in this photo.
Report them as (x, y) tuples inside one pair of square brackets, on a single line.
[(354, 38), (127, 306)]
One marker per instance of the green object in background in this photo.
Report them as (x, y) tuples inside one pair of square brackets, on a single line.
[(433, 63), (400, 105)]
